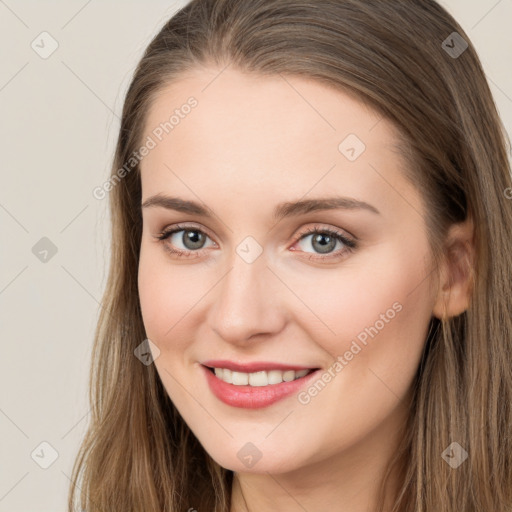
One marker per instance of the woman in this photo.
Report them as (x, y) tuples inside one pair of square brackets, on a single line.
[(308, 305)]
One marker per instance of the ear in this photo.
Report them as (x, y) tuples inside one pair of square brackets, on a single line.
[(457, 271)]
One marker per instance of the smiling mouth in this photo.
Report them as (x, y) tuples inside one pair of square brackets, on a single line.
[(260, 378)]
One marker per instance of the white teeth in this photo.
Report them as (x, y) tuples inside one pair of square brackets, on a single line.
[(275, 377), (227, 376), (262, 378), (258, 378), (239, 379), (288, 375)]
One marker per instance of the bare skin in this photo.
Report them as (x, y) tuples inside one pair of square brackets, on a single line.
[(249, 144)]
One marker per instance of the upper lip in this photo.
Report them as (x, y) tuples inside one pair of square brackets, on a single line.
[(255, 366)]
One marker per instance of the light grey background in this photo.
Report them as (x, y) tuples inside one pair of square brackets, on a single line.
[(60, 117)]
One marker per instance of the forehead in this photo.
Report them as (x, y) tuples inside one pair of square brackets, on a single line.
[(261, 134)]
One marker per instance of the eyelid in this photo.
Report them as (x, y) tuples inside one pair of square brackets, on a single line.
[(349, 241), (319, 227), (167, 231), (306, 231)]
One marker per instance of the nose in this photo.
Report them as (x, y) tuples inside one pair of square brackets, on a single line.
[(247, 302)]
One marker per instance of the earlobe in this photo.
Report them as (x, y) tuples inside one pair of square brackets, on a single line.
[(457, 272)]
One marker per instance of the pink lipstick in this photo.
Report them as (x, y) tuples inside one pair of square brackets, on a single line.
[(250, 396)]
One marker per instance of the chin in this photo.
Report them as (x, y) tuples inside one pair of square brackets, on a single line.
[(248, 459)]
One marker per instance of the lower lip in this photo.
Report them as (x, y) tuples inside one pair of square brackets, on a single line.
[(254, 397)]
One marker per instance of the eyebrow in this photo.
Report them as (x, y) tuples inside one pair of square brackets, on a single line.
[(282, 210)]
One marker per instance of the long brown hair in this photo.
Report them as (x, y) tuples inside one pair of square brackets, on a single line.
[(403, 60)]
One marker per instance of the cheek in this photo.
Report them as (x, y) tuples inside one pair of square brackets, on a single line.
[(158, 303), (374, 312), (380, 318), (169, 295)]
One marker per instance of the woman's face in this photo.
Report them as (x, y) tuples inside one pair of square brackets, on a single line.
[(254, 285)]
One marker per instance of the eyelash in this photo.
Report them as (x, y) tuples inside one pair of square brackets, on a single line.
[(350, 244)]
